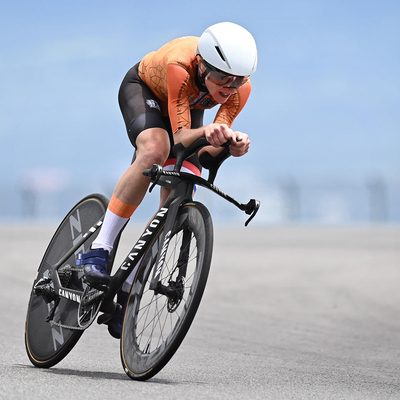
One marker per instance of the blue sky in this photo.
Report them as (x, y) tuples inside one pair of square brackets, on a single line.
[(325, 100)]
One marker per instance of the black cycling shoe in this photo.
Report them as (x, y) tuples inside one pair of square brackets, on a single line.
[(115, 323), (95, 267)]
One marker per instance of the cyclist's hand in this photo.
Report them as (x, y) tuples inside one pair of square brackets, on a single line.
[(240, 145), (218, 134)]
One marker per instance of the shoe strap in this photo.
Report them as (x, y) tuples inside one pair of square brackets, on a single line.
[(96, 257)]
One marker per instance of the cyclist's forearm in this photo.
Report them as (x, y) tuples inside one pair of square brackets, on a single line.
[(188, 136), (216, 134)]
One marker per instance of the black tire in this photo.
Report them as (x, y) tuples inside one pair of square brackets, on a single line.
[(154, 327), (46, 343)]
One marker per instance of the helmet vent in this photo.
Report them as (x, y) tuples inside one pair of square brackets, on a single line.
[(220, 53)]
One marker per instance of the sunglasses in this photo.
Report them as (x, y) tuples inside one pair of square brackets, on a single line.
[(221, 78)]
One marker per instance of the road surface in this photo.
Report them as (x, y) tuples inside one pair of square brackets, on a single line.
[(297, 312)]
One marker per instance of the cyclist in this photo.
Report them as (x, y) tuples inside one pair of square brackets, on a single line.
[(162, 100)]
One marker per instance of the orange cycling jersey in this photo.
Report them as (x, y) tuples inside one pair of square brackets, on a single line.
[(170, 73)]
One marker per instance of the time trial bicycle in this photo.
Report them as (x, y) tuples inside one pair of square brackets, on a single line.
[(170, 262)]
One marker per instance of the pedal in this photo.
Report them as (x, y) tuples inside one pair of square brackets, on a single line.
[(104, 318)]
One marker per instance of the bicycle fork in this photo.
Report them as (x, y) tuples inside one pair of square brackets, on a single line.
[(175, 289), (176, 286), (165, 239)]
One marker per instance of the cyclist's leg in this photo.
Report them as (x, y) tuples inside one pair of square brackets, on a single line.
[(152, 148), (148, 135)]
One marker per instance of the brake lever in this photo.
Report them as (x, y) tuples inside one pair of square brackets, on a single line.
[(252, 208), (155, 174)]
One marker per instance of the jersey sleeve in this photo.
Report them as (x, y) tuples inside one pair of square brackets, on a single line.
[(178, 102), (231, 109)]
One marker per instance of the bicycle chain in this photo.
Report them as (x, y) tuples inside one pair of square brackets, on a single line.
[(73, 269), (75, 328)]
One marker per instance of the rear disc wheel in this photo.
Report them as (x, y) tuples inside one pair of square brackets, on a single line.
[(47, 343)]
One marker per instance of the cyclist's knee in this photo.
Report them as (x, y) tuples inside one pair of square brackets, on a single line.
[(150, 157), (153, 147)]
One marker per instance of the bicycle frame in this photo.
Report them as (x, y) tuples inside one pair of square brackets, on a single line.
[(181, 185), (181, 192)]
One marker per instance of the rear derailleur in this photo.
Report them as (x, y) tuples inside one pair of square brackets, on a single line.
[(43, 287)]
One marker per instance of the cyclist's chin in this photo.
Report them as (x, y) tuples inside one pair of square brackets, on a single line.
[(220, 97)]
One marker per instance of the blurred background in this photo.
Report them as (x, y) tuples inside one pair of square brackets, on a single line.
[(323, 115)]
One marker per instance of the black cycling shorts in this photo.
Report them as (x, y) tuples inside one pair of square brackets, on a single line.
[(140, 109)]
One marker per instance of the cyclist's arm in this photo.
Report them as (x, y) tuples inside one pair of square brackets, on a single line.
[(217, 135), (226, 114)]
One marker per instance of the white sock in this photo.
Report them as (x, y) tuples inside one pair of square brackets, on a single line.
[(109, 231)]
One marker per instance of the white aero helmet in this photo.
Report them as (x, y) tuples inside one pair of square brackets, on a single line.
[(229, 48)]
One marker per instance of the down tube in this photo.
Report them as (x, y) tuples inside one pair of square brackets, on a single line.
[(165, 237), (136, 253)]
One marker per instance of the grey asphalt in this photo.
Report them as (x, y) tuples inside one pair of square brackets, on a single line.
[(296, 312)]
